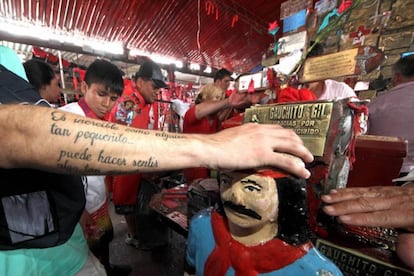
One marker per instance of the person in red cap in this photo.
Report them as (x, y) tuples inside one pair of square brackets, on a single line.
[(141, 93)]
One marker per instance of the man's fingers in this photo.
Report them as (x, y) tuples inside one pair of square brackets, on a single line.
[(390, 218), (390, 206), (292, 164), (267, 145), (356, 206), (369, 204), (291, 154), (287, 141), (339, 195)]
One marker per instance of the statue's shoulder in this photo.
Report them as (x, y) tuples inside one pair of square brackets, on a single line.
[(203, 214)]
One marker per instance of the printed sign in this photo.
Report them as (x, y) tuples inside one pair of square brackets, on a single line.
[(244, 81), (290, 7), (290, 43)]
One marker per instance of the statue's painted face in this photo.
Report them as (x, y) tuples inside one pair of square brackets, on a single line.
[(249, 200)]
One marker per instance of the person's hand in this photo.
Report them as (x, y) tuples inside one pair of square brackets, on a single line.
[(262, 145), (239, 100), (90, 229), (385, 206), (255, 97), (86, 223)]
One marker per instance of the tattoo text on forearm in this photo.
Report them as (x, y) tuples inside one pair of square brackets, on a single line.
[(103, 158)]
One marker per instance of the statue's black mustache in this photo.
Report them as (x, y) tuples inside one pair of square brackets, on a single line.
[(242, 210)]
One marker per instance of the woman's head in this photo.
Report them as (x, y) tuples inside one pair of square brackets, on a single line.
[(209, 92), (41, 75)]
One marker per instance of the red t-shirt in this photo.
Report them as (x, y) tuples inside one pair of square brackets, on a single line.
[(136, 113), (131, 109), (192, 125), (292, 94)]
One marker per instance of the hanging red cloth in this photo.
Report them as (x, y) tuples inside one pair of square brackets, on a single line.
[(291, 94)]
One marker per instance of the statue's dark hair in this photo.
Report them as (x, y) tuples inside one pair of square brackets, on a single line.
[(293, 215)]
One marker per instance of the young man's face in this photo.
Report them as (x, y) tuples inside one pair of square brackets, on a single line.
[(224, 83), (99, 99), (249, 200)]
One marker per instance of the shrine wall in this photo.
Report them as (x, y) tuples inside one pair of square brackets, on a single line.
[(385, 24)]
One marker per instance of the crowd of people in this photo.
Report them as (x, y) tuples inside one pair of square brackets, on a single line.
[(107, 141)]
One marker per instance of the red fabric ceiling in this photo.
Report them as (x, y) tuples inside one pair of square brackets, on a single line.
[(232, 33)]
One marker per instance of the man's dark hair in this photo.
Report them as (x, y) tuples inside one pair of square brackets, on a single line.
[(38, 73), (106, 73), (405, 66), (221, 74), (317, 49)]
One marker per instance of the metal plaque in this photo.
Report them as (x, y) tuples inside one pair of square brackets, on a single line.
[(330, 66), (310, 121), (357, 61), (352, 262)]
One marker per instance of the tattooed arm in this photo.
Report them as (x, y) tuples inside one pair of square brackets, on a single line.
[(53, 140)]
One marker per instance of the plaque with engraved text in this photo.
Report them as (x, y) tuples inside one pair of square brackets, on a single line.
[(324, 126), (310, 121), (356, 61), (352, 262)]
